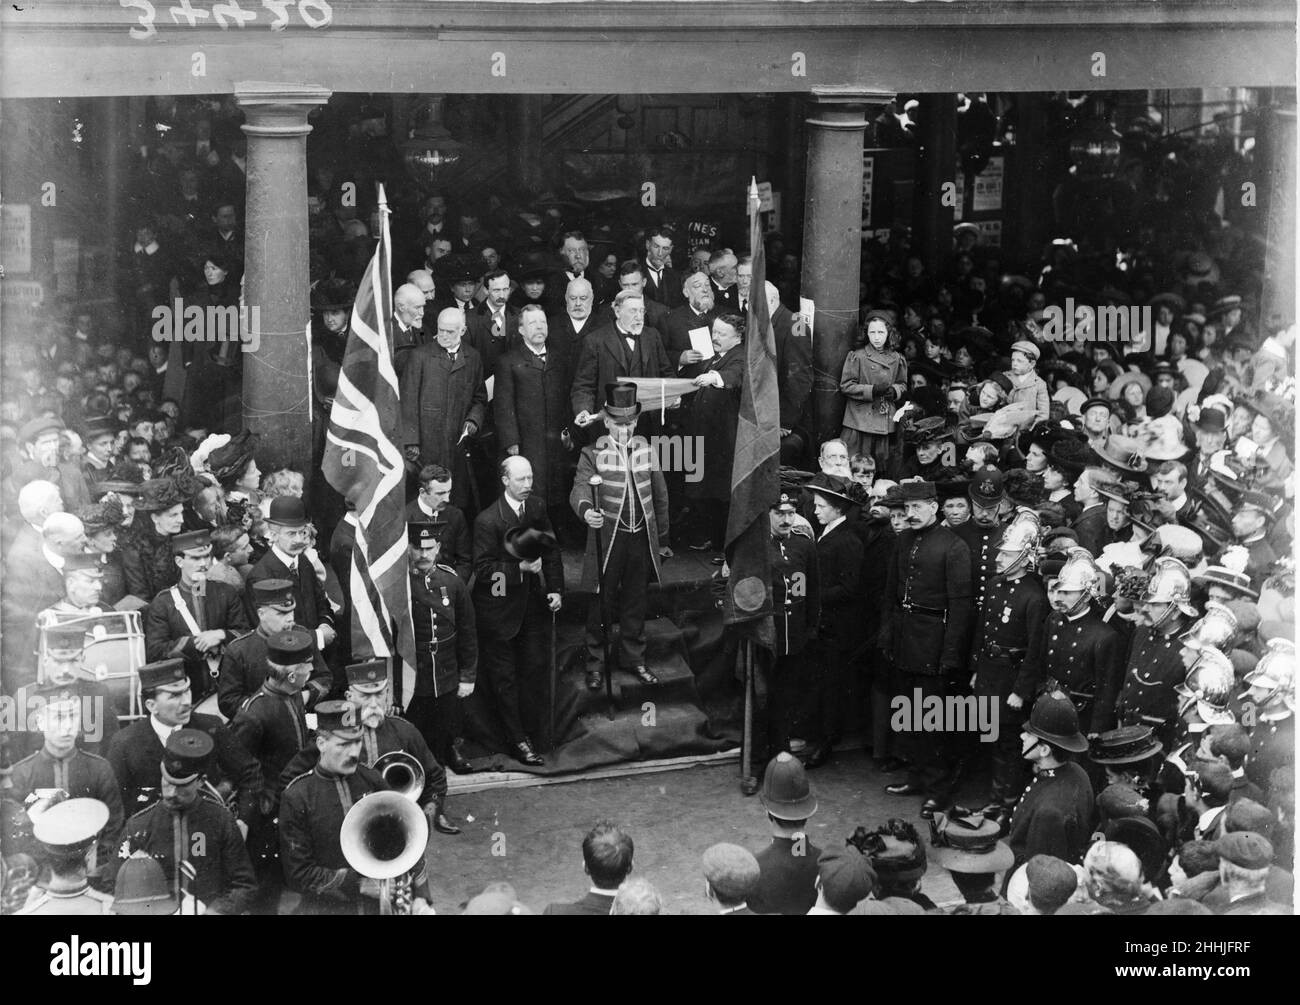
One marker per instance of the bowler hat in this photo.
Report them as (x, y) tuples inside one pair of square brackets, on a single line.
[(787, 795), (1211, 420), (529, 543), (35, 428), (287, 511)]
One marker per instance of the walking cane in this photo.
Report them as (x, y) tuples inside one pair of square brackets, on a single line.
[(747, 735), (551, 697), (595, 482)]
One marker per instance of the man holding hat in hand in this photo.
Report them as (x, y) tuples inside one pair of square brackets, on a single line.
[(191, 834), (311, 818), (244, 661), (65, 834), (195, 618)]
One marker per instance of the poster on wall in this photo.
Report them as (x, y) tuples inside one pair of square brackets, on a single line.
[(16, 239), (987, 197), (990, 232), (868, 178)]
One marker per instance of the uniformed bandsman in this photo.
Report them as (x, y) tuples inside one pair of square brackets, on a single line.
[(1008, 649), (1081, 652), (381, 733), (311, 818), (272, 726), (1154, 667), (64, 646), (191, 833), (137, 751), (65, 834), (61, 766), (195, 618), (446, 647), (243, 664), (796, 602)]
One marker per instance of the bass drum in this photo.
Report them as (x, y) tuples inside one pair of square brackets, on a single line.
[(114, 653)]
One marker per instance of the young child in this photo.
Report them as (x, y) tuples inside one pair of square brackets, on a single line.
[(874, 381)]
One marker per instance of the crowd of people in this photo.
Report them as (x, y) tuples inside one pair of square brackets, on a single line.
[(1093, 536)]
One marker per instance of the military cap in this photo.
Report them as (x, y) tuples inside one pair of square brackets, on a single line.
[(162, 673), (142, 887), (192, 540), (1125, 745), (371, 673), (731, 870), (785, 499), (1052, 881), (90, 563), (339, 718), (65, 637), (277, 593), (289, 647), (34, 429), (421, 534), (187, 755), (1245, 849), (846, 878), (287, 511), (917, 491), (70, 826), (1098, 402)]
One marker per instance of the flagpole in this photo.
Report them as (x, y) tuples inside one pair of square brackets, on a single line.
[(747, 737)]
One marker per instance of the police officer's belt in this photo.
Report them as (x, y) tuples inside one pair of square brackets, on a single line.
[(432, 647), (936, 612), (997, 652)]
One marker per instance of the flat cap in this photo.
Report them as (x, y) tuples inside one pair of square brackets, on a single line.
[(1052, 881), (1246, 849), (846, 878)]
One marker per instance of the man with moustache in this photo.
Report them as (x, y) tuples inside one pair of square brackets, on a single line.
[(1090, 526), (926, 620), (513, 597), (625, 349), (571, 327), (631, 276), (191, 834), (62, 672), (983, 530), (444, 402), (290, 538), (312, 810), (432, 504), (494, 328), (1082, 655), (136, 751), (1007, 649), (695, 312)]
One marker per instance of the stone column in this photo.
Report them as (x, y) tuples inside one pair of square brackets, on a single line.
[(832, 238), (1278, 160), (936, 166), (277, 363)]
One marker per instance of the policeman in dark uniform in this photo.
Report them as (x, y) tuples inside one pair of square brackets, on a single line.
[(796, 603), (1272, 691), (272, 726), (983, 530), (62, 671), (137, 751), (61, 765), (1154, 664), (64, 834), (370, 695), (191, 833), (1081, 652), (311, 818), (446, 647), (243, 664), (1007, 649), (927, 618)]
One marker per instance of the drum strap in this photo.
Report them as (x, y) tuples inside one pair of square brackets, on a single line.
[(213, 656)]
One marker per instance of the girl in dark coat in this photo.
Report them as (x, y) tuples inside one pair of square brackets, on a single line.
[(873, 382)]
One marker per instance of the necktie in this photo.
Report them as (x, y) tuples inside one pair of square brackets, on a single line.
[(542, 357)]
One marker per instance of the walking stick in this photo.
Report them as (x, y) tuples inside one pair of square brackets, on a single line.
[(550, 732), (747, 735), (595, 482)]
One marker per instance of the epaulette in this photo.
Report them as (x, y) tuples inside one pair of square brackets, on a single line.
[(240, 638), (446, 568), (247, 703)]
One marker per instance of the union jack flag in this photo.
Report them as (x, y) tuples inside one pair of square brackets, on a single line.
[(366, 467)]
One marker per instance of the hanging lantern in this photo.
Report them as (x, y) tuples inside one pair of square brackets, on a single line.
[(430, 149), (1095, 146)]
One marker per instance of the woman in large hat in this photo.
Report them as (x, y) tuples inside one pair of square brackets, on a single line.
[(147, 551), (213, 365)]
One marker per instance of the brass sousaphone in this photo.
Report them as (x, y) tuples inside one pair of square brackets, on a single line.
[(383, 837)]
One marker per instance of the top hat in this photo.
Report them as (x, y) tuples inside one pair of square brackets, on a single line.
[(529, 543), (620, 401)]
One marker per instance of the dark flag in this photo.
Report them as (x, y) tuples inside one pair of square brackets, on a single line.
[(364, 465), (755, 482)]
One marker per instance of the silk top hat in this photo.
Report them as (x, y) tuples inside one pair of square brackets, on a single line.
[(620, 401), (529, 543)]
